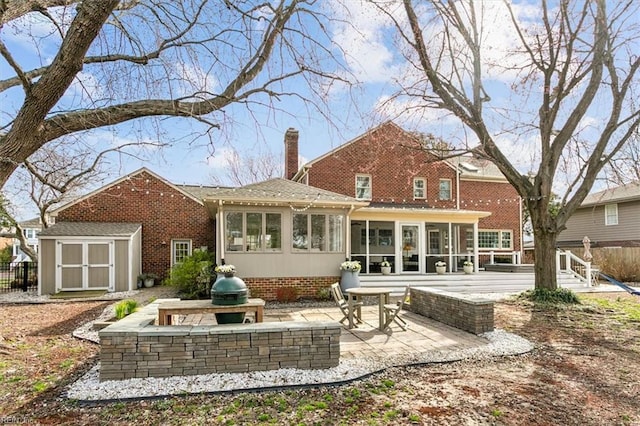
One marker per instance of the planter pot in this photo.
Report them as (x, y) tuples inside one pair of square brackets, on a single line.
[(349, 279), (149, 282), (386, 270), (441, 270), (468, 269)]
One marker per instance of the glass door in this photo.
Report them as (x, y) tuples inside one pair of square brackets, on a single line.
[(410, 247)]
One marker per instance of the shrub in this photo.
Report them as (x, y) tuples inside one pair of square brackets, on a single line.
[(286, 294), (324, 293), (125, 307), (193, 276), (543, 295)]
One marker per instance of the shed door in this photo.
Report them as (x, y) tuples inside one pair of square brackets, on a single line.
[(84, 265)]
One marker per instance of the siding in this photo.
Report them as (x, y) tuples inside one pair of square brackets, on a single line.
[(589, 221)]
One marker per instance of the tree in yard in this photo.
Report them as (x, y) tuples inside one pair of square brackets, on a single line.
[(98, 63), (559, 80), (240, 170)]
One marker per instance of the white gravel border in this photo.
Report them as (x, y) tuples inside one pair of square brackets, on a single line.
[(89, 388)]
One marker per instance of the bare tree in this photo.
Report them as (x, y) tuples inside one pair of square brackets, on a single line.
[(625, 167), (117, 61), (240, 170), (574, 69)]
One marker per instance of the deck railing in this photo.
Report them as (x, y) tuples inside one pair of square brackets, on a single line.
[(572, 264)]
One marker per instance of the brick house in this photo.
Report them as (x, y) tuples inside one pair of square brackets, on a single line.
[(435, 209), (378, 197)]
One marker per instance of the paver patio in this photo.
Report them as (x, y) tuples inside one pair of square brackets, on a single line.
[(422, 335)]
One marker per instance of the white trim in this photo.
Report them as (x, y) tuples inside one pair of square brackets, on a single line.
[(173, 247), (424, 188), (613, 207), (363, 175), (440, 180)]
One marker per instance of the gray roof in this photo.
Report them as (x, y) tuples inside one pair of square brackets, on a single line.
[(33, 223), (201, 191), (279, 190), (618, 194), (90, 229)]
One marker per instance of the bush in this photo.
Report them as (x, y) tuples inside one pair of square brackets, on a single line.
[(125, 307), (6, 254), (286, 294), (193, 276), (543, 295)]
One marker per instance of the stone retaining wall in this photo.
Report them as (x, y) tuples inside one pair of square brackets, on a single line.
[(135, 347), (470, 313)]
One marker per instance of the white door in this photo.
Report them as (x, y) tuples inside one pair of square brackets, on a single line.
[(84, 265)]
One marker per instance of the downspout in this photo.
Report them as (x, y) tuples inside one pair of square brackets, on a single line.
[(220, 237), (347, 232), (476, 260), (457, 187), (521, 232)]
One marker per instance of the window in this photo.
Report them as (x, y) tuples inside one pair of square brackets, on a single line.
[(445, 189), (611, 214), (363, 187), (419, 188), (180, 249), (318, 232), (253, 231), (30, 234), (494, 239)]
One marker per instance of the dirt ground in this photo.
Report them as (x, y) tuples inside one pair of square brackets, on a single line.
[(584, 371)]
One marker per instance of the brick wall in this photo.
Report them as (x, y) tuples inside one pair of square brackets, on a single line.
[(134, 347), (306, 287), (164, 212), (393, 159), (462, 311)]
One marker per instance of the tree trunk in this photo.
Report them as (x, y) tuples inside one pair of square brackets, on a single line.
[(545, 259)]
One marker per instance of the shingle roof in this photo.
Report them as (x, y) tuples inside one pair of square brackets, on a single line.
[(280, 190), (201, 192), (471, 167), (91, 229), (627, 192)]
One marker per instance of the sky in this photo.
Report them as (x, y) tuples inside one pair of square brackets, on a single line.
[(367, 54)]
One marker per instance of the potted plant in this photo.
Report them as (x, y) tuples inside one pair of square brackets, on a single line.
[(467, 266), (148, 279), (385, 267), (441, 267), (349, 271)]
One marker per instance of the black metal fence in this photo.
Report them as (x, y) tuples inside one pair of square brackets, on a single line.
[(21, 276)]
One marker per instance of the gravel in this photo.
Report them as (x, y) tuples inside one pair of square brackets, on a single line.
[(89, 388)]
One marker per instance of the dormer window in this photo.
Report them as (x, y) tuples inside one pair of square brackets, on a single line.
[(363, 187)]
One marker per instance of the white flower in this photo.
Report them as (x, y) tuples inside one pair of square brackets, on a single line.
[(350, 265), (225, 269)]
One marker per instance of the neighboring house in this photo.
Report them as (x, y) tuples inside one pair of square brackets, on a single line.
[(378, 197), (610, 218), (31, 229), (421, 209)]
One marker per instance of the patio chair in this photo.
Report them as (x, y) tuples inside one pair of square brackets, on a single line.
[(337, 295), (392, 310)]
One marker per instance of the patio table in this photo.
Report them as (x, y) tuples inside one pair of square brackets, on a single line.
[(187, 307), (357, 293)]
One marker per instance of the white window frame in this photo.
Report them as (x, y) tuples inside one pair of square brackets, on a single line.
[(500, 239), (440, 189), (367, 194), (262, 247), (416, 188), (330, 245), (610, 214), (174, 251)]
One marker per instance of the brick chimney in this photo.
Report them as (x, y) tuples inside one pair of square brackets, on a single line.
[(290, 153)]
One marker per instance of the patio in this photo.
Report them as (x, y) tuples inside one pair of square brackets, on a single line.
[(367, 341)]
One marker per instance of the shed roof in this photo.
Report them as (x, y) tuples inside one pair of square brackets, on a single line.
[(91, 229)]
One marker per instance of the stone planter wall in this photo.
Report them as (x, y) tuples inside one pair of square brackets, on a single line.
[(134, 347), (470, 313)]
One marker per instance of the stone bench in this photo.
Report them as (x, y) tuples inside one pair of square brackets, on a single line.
[(135, 347), (466, 312)]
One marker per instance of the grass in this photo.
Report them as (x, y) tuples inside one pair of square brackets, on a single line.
[(546, 296), (628, 309), (125, 307)]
